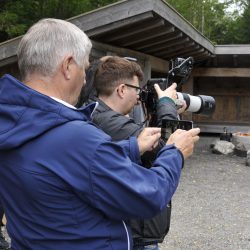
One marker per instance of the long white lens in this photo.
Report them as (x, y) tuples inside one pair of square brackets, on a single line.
[(200, 104)]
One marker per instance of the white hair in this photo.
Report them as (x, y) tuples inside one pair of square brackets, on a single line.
[(47, 42)]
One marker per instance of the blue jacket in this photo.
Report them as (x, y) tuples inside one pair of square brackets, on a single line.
[(64, 184)]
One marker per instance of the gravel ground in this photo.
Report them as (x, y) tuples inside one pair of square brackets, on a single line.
[(211, 207)]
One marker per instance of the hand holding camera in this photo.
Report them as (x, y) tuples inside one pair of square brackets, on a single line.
[(184, 140), (168, 92), (181, 106), (180, 72)]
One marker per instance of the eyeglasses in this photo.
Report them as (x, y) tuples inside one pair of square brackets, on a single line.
[(138, 89)]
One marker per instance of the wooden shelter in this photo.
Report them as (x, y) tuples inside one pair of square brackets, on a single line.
[(153, 33)]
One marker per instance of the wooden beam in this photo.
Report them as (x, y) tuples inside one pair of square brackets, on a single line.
[(7, 61), (179, 52), (149, 36), (145, 38), (156, 63), (235, 60), (175, 48), (8, 51), (102, 29), (138, 32), (234, 49), (221, 72), (203, 57), (194, 53), (164, 46), (166, 37)]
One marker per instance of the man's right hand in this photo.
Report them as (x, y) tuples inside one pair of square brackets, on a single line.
[(168, 92), (184, 140)]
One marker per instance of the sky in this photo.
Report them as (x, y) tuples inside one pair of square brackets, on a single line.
[(233, 7)]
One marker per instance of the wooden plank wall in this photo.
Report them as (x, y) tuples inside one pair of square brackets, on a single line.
[(232, 95)]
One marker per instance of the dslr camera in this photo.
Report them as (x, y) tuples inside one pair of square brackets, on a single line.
[(180, 71)]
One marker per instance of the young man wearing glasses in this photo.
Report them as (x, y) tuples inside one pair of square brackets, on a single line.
[(116, 82)]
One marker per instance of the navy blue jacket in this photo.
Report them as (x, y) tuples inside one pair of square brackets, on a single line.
[(64, 184)]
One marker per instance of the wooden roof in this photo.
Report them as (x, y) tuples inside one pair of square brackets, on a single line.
[(230, 56), (151, 27)]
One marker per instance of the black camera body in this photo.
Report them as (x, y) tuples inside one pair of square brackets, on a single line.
[(180, 71), (148, 95)]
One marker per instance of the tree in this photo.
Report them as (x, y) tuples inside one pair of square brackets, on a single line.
[(242, 26), (214, 21), (211, 17), (16, 16)]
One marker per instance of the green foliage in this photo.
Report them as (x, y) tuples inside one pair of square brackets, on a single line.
[(214, 20), (210, 17), (16, 16), (242, 27)]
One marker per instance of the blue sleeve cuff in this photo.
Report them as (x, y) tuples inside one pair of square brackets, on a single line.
[(134, 150), (131, 148), (169, 146), (181, 156), (166, 99)]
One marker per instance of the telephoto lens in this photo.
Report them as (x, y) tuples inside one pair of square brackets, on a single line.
[(200, 104)]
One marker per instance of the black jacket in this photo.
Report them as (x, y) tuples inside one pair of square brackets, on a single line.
[(120, 127)]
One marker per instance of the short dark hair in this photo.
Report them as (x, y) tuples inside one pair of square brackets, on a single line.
[(112, 70)]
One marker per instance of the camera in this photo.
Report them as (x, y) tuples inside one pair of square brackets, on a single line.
[(180, 72), (200, 104)]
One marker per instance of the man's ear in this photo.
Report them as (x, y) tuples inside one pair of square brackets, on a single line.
[(121, 90), (66, 67)]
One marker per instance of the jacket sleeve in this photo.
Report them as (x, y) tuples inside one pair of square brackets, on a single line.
[(125, 190), (166, 109), (103, 176), (131, 149)]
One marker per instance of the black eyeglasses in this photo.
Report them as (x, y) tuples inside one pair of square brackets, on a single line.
[(138, 89)]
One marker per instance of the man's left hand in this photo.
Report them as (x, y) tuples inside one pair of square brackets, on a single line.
[(148, 139)]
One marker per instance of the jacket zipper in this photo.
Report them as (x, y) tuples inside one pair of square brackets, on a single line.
[(124, 224)]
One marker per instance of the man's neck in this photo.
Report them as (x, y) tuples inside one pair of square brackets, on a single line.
[(111, 103), (47, 86)]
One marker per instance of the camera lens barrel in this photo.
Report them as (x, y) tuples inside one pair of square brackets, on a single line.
[(200, 104)]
